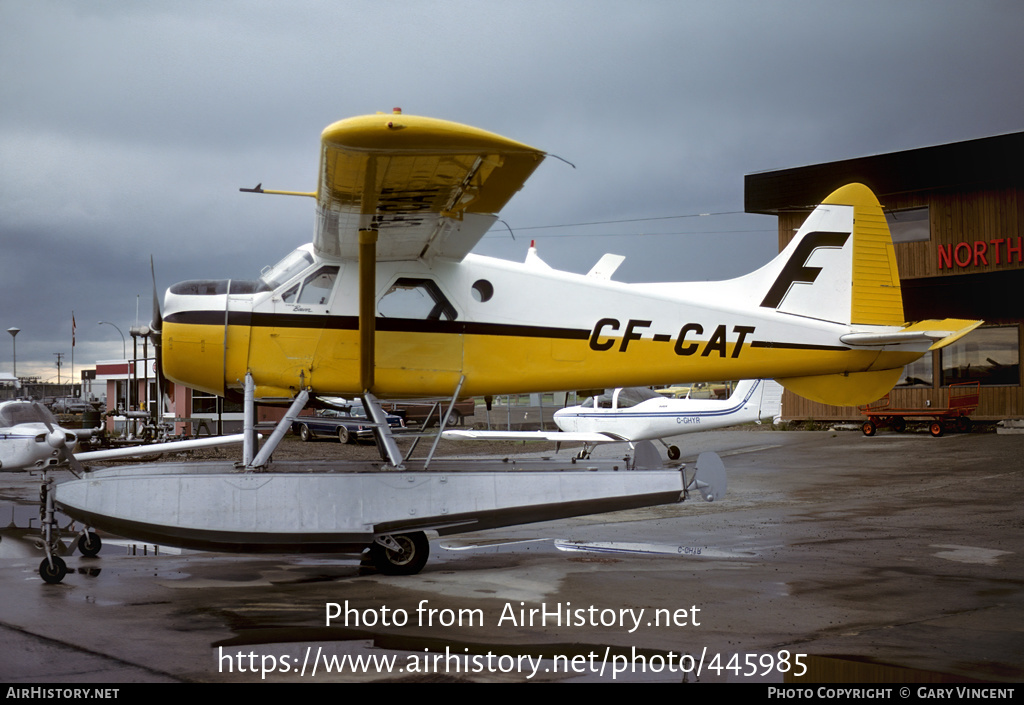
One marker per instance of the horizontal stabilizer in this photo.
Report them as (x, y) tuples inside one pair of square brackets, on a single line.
[(938, 333), (955, 328), (556, 436)]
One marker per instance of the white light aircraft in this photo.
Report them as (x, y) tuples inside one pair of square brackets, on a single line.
[(632, 414), (388, 302), (31, 438)]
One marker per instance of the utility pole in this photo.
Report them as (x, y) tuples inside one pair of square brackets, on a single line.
[(59, 356)]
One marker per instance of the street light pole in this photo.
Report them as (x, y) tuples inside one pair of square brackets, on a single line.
[(14, 332), (124, 356), (124, 353)]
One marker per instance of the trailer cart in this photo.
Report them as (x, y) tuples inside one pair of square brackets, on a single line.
[(963, 400)]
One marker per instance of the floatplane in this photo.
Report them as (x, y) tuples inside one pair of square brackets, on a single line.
[(388, 302)]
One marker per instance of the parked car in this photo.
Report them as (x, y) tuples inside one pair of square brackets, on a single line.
[(69, 405), (347, 426)]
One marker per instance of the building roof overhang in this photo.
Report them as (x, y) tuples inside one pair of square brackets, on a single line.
[(981, 163)]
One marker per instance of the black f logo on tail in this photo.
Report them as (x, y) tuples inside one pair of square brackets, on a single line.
[(796, 269)]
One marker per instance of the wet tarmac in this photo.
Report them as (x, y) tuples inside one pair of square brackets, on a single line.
[(834, 557)]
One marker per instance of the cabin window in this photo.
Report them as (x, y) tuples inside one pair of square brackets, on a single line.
[(910, 225), (482, 290), (987, 355), (419, 299)]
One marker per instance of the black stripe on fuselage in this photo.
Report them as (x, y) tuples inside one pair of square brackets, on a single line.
[(398, 325), (796, 346), (412, 325)]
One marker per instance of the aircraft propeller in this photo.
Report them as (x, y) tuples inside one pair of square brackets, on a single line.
[(156, 334), (58, 440)]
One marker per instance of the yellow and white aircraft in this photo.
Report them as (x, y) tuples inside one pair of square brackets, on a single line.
[(388, 302)]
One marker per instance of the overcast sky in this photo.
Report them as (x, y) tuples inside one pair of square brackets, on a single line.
[(127, 128)]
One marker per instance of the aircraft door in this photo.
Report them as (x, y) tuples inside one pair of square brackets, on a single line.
[(419, 340), (301, 315)]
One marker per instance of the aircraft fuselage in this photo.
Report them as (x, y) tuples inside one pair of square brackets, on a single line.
[(507, 327)]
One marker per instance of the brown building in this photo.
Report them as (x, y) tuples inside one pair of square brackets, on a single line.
[(956, 213)]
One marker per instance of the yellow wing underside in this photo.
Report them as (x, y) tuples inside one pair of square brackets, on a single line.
[(431, 188)]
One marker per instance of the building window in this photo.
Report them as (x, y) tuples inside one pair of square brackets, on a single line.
[(919, 373), (203, 403), (910, 225), (987, 355)]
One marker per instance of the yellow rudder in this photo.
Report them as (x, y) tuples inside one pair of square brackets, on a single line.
[(876, 295)]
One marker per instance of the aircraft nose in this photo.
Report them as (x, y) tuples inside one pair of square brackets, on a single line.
[(56, 438)]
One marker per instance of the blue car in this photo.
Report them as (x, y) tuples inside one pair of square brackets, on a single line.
[(348, 426)]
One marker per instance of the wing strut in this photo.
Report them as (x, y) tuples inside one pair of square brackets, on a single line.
[(367, 278), (367, 306), (444, 421), (382, 432), (298, 404)]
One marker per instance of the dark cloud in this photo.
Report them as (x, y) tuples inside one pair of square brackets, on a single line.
[(126, 129)]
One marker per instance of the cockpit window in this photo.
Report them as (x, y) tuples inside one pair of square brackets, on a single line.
[(292, 264), (314, 289), (317, 287), (601, 401), (26, 412), (631, 396)]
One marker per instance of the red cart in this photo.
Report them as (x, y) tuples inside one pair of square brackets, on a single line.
[(963, 400)]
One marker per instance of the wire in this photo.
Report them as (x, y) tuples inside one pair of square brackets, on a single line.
[(634, 235), (632, 220)]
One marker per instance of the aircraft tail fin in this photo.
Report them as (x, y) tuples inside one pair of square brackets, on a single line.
[(841, 266)]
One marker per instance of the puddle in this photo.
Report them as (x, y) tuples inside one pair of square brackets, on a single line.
[(969, 554), (649, 549)]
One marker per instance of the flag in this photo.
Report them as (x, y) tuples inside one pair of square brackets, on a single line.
[(72, 329)]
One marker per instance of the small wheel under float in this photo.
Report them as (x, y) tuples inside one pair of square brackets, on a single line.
[(405, 554), (53, 569)]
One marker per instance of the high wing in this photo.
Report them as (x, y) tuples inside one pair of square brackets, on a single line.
[(430, 188)]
